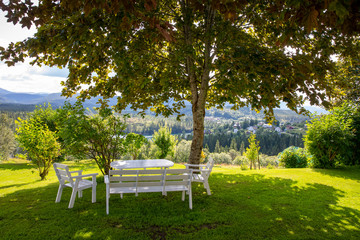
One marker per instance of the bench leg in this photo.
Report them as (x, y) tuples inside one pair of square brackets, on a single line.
[(183, 196), (190, 198), (107, 204)]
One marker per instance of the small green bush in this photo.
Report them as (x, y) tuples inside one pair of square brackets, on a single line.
[(240, 160), (21, 156), (294, 157), (221, 158), (244, 167), (270, 166)]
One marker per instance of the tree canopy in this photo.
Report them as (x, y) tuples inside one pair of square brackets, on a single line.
[(160, 53)]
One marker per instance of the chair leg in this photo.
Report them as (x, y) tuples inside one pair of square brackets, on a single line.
[(107, 200), (93, 197), (80, 194), (183, 196), (207, 186), (73, 194), (72, 198), (58, 196)]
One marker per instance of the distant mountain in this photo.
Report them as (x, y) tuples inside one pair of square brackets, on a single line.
[(11, 101), (3, 91)]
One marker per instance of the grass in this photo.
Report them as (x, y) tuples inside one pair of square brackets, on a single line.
[(258, 204)]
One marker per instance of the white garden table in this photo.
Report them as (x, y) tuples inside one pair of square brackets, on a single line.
[(148, 163)]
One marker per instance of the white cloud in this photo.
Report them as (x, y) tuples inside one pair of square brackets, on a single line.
[(23, 77), (26, 78)]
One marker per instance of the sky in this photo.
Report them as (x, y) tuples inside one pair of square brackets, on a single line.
[(24, 77)]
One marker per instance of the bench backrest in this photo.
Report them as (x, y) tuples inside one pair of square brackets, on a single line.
[(63, 173), (149, 178)]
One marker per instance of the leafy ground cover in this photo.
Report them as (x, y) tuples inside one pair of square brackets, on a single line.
[(258, 204)]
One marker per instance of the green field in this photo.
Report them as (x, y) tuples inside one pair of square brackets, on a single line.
[(258, 204)]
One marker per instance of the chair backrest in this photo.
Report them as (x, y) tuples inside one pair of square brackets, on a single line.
[(209, 166), (63, 173)]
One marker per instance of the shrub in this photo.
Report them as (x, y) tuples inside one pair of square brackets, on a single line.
[(294, 157), (330, 138), (270, 166), (21, 156), (240, 160), (220, 158), (244, 167), (269, 160)]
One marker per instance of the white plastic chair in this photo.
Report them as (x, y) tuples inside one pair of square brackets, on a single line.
[(201, 173), (77, 183)]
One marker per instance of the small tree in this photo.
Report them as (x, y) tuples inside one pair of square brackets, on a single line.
[(182, 152), (99, 135), (233, 144), (252, 152), (164, 142), (7, 138), (217, 147), (41, 144), (133, 143)]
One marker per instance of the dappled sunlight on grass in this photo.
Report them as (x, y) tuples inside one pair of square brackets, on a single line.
[(258, 204), (83, 234)]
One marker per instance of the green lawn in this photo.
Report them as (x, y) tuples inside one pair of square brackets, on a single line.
[(258, 204)]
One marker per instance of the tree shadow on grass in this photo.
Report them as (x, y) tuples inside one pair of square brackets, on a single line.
[(352, 173), (240, 207), (16, 166)]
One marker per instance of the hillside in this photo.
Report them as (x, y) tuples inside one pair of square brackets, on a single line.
[(12, 101)]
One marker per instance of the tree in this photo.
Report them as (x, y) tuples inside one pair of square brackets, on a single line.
[(217, 147), (7, 138), (99, 135), (164, 142), (330, 138), (160, 54), (40, 143), (242, 148), (182, 152), (233, 144), (252, 152), (133, 143), (347, 81)]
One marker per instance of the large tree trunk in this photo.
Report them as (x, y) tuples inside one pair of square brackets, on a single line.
[(198, 111), (199, 84)]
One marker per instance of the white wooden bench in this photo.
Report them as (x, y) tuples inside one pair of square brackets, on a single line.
[(141, 181)]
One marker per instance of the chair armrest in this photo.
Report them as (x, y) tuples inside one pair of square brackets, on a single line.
[(79, 172), (106, 179), (86, 175)]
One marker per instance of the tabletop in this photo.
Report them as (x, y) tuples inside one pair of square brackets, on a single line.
[(148, 163)]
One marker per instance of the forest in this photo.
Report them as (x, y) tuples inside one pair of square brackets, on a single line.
[(224, 129)]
